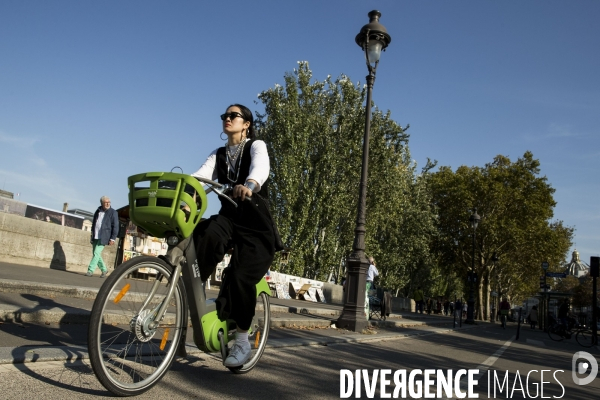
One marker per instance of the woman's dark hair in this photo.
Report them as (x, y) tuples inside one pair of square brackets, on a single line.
[(247, 114)]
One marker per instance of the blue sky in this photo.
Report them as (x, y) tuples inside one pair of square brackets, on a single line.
[(92, 92)]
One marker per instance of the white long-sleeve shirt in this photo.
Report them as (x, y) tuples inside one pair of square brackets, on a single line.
[(259, 166), (372, 273)]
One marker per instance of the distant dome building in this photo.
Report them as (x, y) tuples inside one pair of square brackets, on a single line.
[(576, 267)]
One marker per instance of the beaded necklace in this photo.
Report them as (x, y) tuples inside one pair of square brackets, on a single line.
[(233, 163)]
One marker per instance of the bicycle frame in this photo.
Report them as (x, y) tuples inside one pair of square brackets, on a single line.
[(210, 333)]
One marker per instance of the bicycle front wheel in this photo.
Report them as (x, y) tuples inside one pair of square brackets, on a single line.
[(258, 334), (128, 353), (555, 332), (584, 337)]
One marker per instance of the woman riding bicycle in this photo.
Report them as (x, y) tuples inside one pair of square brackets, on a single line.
[(244, 164)]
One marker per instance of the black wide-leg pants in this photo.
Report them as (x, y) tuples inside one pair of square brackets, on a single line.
[(250, 230)]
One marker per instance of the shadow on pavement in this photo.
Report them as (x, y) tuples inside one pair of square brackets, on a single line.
[(52, 342)]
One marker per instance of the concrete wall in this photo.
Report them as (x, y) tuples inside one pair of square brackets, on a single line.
[(31, 242), (403, 304), (334, 294)]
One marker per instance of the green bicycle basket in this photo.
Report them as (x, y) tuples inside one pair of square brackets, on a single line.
[(157, 201)]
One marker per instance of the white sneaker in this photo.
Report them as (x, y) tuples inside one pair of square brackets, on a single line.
[(238, 355)]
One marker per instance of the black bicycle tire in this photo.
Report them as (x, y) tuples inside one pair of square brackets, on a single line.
[(94, 328), (586, 343), (552, 331), (263, 340)]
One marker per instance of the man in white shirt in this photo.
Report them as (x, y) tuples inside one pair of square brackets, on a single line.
[(105, 228)]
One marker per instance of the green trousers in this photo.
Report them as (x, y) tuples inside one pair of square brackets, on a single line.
[(367, 306), (97, 257)]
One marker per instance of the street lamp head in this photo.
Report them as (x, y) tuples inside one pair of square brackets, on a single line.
[(474, 218), (373, 38)]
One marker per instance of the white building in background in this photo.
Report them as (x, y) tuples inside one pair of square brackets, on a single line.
[(576, 267)]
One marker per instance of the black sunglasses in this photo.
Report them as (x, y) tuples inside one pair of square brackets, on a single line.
[(232, 115)]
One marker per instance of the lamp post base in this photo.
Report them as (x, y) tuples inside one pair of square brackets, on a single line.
[(353, 315), (355, 324)]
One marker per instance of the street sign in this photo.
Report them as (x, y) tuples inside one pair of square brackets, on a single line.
[(545, 265), (556, 274)]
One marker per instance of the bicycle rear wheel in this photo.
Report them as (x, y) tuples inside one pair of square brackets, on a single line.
[(258, 334), (555, 332), (127, 354), (584, 337)]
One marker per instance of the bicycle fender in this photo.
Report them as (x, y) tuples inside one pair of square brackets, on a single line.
[(263, 287)]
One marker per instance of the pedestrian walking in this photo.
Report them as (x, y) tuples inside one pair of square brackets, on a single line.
[(504, 309), (105, 228), (429, 305), (533, 317), (419, 299)]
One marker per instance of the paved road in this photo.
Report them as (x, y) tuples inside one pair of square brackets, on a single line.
[(313, 372), (300, 361)]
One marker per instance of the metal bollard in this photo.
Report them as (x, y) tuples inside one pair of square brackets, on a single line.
[(454, 322), (519, 324)]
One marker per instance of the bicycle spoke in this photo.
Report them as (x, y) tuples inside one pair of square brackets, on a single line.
[(128, 354)]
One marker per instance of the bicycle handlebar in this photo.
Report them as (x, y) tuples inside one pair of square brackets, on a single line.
[(221, 190)]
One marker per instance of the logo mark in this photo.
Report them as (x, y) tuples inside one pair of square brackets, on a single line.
[(581, 367), (152, 194), (196, 269)]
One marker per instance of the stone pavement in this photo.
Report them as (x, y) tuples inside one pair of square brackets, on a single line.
[(60, 301)]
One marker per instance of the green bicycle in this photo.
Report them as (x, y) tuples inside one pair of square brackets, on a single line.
[(138, 326)]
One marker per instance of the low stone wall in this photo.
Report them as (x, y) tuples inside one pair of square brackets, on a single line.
[(32, 242), (403, 304), (334, 294)]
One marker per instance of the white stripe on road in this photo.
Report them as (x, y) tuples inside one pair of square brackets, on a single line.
[(484, 366)]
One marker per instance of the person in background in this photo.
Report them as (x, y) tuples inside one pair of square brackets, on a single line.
[(372, 272), (419, 299), (533, 317), (105, 228), (504, 309), (563, 312)]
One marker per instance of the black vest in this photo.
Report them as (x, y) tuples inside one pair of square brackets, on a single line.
[(244, 171)]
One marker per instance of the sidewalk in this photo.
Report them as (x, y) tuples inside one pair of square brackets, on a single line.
[(63, 300)]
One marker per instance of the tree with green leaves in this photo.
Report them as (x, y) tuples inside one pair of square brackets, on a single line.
[(314, 132), (516, 207)]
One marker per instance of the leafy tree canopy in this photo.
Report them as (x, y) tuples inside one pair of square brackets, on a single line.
[(314, 133), (516, 206)]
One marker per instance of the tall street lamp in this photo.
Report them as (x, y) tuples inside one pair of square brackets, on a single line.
[(372, 38), (474, 218), (495, 259)]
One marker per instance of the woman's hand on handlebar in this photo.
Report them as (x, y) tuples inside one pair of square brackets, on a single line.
[(242, 192)]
